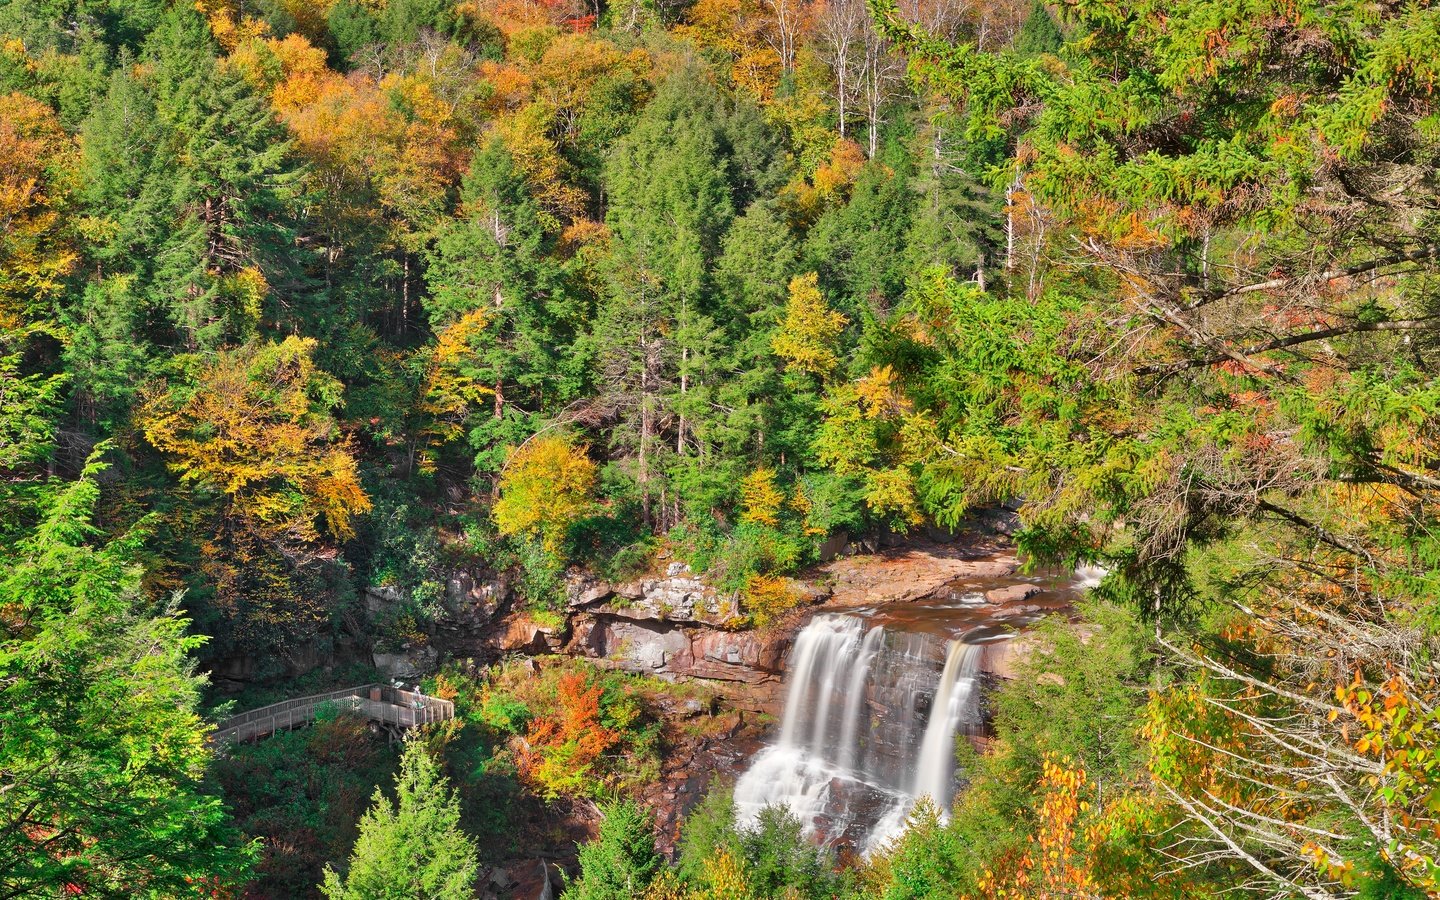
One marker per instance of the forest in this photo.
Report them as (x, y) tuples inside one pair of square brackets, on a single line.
[(305, 300)]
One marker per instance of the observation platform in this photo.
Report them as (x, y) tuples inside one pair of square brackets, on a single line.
[(395, 710)]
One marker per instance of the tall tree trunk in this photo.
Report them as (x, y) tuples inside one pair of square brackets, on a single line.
[(499, 384), (684, 386)]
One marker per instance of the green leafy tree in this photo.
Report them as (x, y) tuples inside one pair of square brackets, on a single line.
[(709, 830), (663, 334), (925, 862), (1164, 409), (410, 848)]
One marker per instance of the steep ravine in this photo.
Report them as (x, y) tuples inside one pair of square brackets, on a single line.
[(922, 595)]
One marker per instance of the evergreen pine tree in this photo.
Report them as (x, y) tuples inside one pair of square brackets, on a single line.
[(496, 259), (621, 862), (411, 848), (229, 256), (103, 752), (670, 203), (1039, 34)]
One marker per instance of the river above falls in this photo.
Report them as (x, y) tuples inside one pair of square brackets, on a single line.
[(877, 692)]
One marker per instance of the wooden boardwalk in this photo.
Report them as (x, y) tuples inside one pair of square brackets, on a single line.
[(394, 709)]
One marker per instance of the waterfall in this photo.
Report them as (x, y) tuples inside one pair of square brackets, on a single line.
[(956, 704), (857, 744)]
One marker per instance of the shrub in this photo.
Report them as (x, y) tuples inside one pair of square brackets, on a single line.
[(767, 597)]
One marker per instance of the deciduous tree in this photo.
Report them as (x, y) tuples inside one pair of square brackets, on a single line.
[(257, 427), (545, 487)]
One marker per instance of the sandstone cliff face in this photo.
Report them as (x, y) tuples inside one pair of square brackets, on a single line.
[(679, 626), (674, 627)]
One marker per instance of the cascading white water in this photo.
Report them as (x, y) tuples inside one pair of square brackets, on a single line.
[(955, 710), (1088, 576), (956, 704), (875, 701), (855, 750)]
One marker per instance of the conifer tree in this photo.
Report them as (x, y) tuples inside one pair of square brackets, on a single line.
[(410, 848), (227, 255), (1039, 34), (621, 862), (497, 259), (101, 751), (670, 205)]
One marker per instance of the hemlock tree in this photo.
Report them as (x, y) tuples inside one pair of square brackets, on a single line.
[(1224, 397), (621, 862), (670, 204), (497, 259), (101, 751), (411, 847)]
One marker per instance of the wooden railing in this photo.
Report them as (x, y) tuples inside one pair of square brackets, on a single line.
[(390, 706)]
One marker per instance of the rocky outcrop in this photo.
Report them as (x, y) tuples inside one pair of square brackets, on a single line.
[(915, 572), (677, 597), (674, 626), (410, 663), (681, 650), (473, 600), (519, 633)]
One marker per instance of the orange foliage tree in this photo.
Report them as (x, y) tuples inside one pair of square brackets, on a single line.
[(559, 753), (1054, 866)]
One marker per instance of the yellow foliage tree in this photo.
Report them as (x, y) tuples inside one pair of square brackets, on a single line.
[(35, 156), (545, 487), (725, 879), (767, 597), (760, 498), (807, 338), (451, 387), (257, 426)]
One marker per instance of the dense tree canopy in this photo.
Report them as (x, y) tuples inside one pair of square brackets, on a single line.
[(356, 294)]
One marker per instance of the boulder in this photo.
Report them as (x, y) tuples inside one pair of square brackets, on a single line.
[(1012, 593), (636, 645), (378, 599), (746, 656), (834, 545), (522, 635), (475, 599), (682, 650), (582, 591)]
